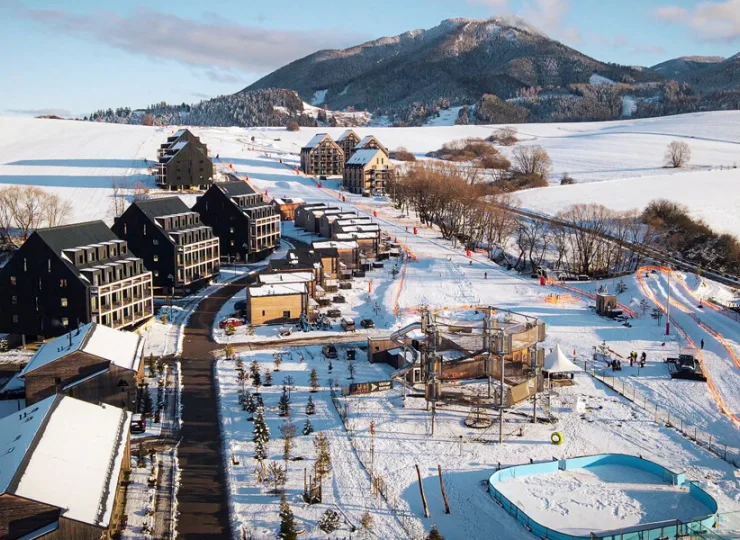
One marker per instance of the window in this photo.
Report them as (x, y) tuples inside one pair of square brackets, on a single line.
[(231, 230), (286, 314), (144, 229), (13, 280), (14, 300), (155, 242), (263, 312), (64, 302), (155, 258), (125, 231), (156, 273), (48, 264), (15, 319), (25, 266), (65, 321), (62, 283)]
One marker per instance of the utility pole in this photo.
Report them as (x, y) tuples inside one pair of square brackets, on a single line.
[(668, 308), (489, 332), (501, 410)]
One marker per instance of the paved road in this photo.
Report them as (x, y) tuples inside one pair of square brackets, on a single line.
[(202, 497)]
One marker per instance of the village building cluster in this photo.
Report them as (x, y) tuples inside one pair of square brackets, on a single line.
[(363, 163)]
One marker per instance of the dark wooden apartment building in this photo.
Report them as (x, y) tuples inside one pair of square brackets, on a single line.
[(66, 276), (181, 251), (247, 227), (322, 156), (348, 140), (184, 163)]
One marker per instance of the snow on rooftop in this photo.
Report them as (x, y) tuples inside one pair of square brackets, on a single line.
[(123, 349), (315, 140), (333, 244), (286, 277), (363, 156), (276, 290), (82, 445), (346, 236)]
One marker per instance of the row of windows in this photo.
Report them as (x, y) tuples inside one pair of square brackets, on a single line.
[(14, 282)]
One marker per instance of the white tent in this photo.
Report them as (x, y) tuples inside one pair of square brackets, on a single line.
[(557, 362)]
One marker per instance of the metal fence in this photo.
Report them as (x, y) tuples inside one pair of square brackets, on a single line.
[(661, 415)]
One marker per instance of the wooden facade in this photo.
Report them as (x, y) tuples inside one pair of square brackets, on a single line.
[(348, 253), (75, 274), (322, 157), (348, 141), (248, 228), (282, 306), (184, 163), (367, 172), (286, 207), (371, 142), (181, 251)]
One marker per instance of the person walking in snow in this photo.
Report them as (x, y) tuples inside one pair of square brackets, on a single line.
[(631, 357), (702, 343), (485, 275)]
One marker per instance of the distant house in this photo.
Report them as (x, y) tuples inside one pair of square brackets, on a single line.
[(326, 221), (62, 462), (348, 252), (368, 171), (66, 276), (281, 303), (93, 363), (286, 207), (348, 141), (184, 163), (324, 264), (247, 227), (370, 142), (322, 156), (181, 252), (314, 216)]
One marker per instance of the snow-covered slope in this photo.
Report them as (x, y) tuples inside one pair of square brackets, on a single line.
[(78, 160)]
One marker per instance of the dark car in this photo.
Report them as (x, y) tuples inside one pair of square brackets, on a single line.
[(367, 323), (241, 305), (330, 351)]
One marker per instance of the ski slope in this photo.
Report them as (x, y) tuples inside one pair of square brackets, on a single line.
[(78, 160)]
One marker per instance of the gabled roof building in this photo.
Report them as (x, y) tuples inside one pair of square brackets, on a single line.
[(63, 277), (93, 363), (348, 140), (247, 227), (183, 163), (371, 142), (368, 171), (181, 252), (61, 465), (322, 156)]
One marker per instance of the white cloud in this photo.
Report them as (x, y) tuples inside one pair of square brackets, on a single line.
[(712, 21), (210, 43), (498, 5), (41, 112), (549, 16)]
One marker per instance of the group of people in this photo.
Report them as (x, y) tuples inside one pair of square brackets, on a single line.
[(633, 359)]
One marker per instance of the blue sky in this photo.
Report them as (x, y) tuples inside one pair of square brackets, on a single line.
[(73, 57)]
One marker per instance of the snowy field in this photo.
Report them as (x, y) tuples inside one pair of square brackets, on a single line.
[(78, 160), (604, 497)]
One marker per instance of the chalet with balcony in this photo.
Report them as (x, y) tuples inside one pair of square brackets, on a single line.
[(93, 363), (370, 142), (248, 228), (181, 252), (64, 277), (348, 141), (367, 172), (183, 163), (322, 157), (62, 463)]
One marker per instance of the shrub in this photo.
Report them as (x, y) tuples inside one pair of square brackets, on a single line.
[(481, 153), (505, 136), (293, 126), (567, 180), (401, 154)]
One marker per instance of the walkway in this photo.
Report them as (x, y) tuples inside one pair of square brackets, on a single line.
[(203, 501)]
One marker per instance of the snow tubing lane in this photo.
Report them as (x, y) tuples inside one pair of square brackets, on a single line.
[(556, 438)]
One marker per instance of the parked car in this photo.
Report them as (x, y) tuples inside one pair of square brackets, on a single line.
[(230, 321), (367, 323), (348, 325), (241, 305), (333, 313), (138, 423), (330, 351)]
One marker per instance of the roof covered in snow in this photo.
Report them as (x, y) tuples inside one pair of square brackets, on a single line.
[(367, 139), (333, 244), (317, 139), (364, 156), (286, 277), (347, 134), (344, 236), (65, 453), (123, 349), (285, 289)]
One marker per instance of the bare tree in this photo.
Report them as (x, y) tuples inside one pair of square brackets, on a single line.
[(26, 208), (56, 211), (677, 155), (532, 161), (141, 192), (118, 198)]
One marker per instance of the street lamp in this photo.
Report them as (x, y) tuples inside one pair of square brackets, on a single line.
[(668, 309), (172, 291)]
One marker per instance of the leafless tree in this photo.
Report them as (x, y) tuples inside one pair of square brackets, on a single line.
[(532, 161), (141, 191), (677, 155), (118, 198), (24, 209)]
